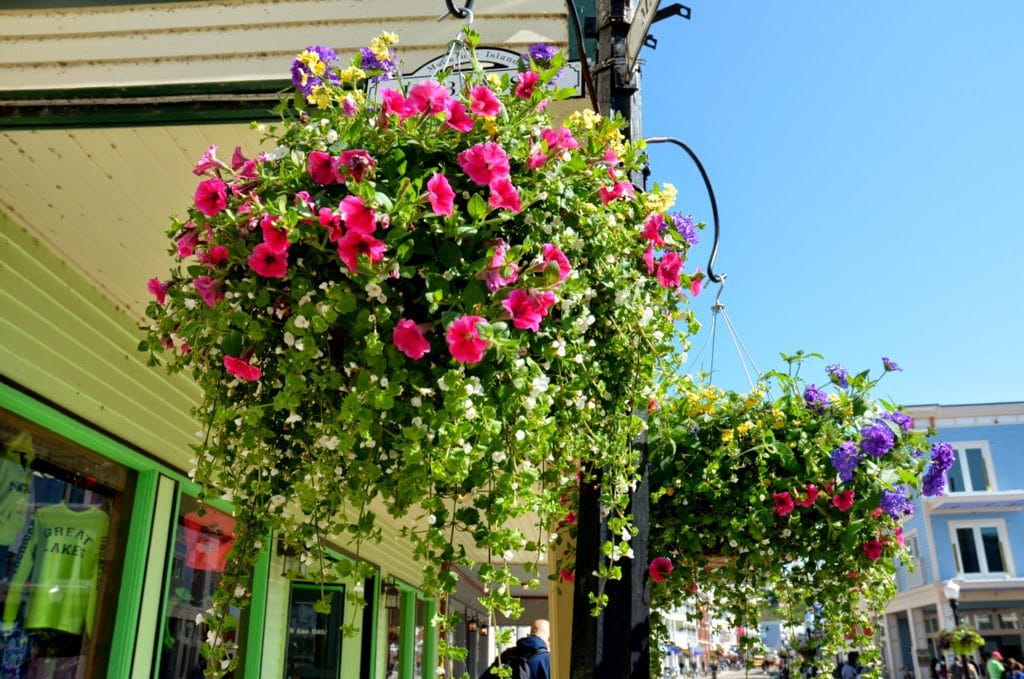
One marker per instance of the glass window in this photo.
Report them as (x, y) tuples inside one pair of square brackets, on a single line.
[(314, 639), (980, 550), (968, 552), (976, 467), (1009, 621), (198, 559), (969, 472), (64, 514), (393, 616), (421, 670), (993, 553), (983, 621)]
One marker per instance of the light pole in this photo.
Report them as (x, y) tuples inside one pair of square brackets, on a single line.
[(952, 591)]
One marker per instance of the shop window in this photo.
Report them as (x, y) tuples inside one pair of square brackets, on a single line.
[(983, 622), (64, 515), (314, 638), (979, 548), (393, 621), (971, 469), (199, 556), (1009, 621)]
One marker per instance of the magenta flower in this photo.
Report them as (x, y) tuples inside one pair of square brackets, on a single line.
[(276, 239), (348, 107), (211, 196), (873, 549), (458, 118), (356, 242), (696, 283), (649, 259), (157, 289), (843, 501), (331, 221), (484, 162), (653, 227), (187, 243), (464, 340), (440, 193), (483, 102), (357, 216), (553, 254), (321, 167), (242, 369), (268, 263), (669, 269), (208, 161), (395, 103), (618, 190), (353, 164), (428, 97), (500, 272), (209, 290), (660, 568), (528, 309), (783, 503), (811, 498), (238, 158), (560, 139), (217, 255), (536, 160), (409, 339), (504, 195), (526, 83)]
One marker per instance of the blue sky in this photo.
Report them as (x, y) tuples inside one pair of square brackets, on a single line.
[(868, 162)]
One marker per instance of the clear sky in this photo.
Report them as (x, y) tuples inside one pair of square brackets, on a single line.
[(868, 161)]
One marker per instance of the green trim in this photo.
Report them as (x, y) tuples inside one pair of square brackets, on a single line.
[(375, 625), (407, 634), (258, 613), (172, 537), (153, 597), (429, 637), (133, 574)]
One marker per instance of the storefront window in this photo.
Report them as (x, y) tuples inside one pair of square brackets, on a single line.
[(1009, 621), (983, 622), (392, 612), (199, 558), (421, 614), (314, 639), (64, 514)]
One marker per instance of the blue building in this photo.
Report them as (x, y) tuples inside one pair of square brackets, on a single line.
[(973, 536)]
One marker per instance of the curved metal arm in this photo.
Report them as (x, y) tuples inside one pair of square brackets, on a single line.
[(712, 276), (457, 12)]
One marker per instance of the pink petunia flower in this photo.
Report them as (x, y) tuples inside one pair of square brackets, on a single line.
[(321, 168), (526, 83), (618, 190), (349, 107), (356, 242), (783, 503), (536, 160), (395, 103), (873, 549), (484, 162), (500, 272), (660, 568), (441, 196), (669, 269), (566, 575), (528, 308), (158, 289), (331, 221), (409, 339), (357, 215), (504, 195), (464, 341), (268, 263), (810, 498), (560, 139), (483, 102), (553, 254), (246, 171), (217, 255), (276, 239), (209, 161), (428, 97), (242, 369), (211, 196), (843, 501), (209, 290), (238, 158), (458, 118), (187, 243), (898, 534), (652, 229), (696, 283), (353, 164), (649, 259)]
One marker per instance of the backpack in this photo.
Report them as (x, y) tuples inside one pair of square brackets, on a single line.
[(516, 659)]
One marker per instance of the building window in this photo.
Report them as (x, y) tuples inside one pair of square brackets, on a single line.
[(915, 578), (972, 470), (979, 548)]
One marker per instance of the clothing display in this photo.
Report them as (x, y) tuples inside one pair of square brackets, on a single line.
[(60, 560), (208, 539), (15, 487)]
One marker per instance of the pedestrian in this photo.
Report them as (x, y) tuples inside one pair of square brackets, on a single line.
[(529, 658), (851, 670), (994, 666), (1014, 670)]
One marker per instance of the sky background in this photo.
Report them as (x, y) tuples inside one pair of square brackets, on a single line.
[(868, 162)]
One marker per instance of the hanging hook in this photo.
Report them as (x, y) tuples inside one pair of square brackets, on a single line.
[(458, 13), (712, 276), (718, 305)]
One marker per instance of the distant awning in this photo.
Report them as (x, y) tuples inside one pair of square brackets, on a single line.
[(998, 501)]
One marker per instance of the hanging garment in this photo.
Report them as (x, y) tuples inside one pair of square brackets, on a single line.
[(15, 486)]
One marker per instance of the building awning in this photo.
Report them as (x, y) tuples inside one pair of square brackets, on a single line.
[(1000, 501)]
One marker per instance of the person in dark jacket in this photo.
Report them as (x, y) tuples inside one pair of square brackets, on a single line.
[(537, 643)]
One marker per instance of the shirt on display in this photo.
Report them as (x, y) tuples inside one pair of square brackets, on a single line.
[(208, 540), (60, 561), (15, 487)]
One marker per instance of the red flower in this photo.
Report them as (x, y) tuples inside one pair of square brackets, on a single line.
[(458, 118), (428, 97), (873, 549), (355, 243), (238, 158), (553, 254), (669, 269), (566, 575), (649, 259), (187, 242), (215, 257), (618, 190), (504, 195), (353, 164), (209, 290), (783, 503), (331, 221), (464, 340), (357, 216), (483, 102), (242, 369), (395, 102), (484, 162), (876, 513), (441, 196), (274, 238), (527, 82), (321, 167), (527, 309), (409, 339), (268, 263), (659, 569), (812, 496), (570, 519), (652, 229), (157, 289), (843, 501), (211, 196)]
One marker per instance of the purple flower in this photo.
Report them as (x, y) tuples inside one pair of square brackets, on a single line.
[(890, 366), (838, 375), (943, 455), (815, 398), (686, 228), (896, 502), (904, 421), (370, 62), (934, 482), (845, 459), (312, 68), (877, 438), (542, 53)]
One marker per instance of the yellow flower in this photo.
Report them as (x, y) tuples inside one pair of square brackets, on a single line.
[(494, 80), (727, 435), (743, 427), (491, 126), (585, 119), (319, 97), (381, 45), (660, 199), (352, 74)]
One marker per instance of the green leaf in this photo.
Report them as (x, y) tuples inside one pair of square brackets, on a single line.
[(477, 207)]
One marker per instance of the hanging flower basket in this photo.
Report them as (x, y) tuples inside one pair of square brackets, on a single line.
[(963, 640), (797, 497)]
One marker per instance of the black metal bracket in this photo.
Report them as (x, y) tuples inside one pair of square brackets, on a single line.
[(673, 10), (463, 12)]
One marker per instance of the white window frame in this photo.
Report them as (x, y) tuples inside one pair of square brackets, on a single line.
[(1004, 544), (965, 473), (915, 579)]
